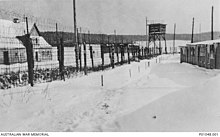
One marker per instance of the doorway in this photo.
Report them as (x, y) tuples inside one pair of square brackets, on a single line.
[(36, 56), (6, 58)]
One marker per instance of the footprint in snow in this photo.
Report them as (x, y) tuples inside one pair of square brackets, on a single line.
[(105, 106)]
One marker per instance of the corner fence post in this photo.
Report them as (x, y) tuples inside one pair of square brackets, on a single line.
[(91, 56), (30, 61), (113, 60), (61, 62), (26, 40), (80, 57), (102, 56)]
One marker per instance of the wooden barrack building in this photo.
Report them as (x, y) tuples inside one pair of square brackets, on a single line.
[(204, 54)]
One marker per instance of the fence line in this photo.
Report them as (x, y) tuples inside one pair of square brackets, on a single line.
[(54, 51)]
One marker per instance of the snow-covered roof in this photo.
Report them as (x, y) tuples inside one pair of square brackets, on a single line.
[(208, 42), (10, 29)]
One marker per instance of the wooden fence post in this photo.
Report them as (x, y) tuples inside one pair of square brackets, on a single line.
[(26, 40), (30, 60), (79, 49), (61, 61), (113, 61), (85, 61), (80, 57), (142, 50), (60, 54), (122, 54), (117, 52), (102, 56), (58, 50), (128, 51), (91, 56)]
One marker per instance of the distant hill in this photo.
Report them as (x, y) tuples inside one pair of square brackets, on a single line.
[(102, 38), (197, 37)]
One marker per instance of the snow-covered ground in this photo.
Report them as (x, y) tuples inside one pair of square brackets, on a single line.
[(165, 96)]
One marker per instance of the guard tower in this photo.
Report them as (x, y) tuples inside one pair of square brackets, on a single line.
[(157, 32)]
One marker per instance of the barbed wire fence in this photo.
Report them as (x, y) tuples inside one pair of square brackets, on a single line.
[(51, 54)]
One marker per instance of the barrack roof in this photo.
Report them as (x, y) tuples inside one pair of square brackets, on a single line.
[(208, 42)]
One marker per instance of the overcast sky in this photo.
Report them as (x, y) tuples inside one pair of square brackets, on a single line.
[(127, 16)]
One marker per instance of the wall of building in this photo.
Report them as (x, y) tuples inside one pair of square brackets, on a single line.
[(14, 55), (207, 56), (19, 55)]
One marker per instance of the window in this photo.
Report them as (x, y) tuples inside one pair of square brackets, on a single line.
[(16, 54), (42, 53), (48, 53), (36, 41)]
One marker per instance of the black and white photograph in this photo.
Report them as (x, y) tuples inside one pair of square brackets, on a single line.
[(112, 66)]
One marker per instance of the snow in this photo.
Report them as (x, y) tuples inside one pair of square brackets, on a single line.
[(193, 108), (10, 43), (208, 42), (11, 29), (181, 96)]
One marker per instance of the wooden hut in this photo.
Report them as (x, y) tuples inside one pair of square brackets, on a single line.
[(204, 54), (12, 49)]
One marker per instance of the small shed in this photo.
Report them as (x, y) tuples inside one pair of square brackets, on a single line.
[(204, 54), (12, 49)]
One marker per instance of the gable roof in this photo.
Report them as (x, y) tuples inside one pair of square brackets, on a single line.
[(35, 31), (208, 42), (10, 29)]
